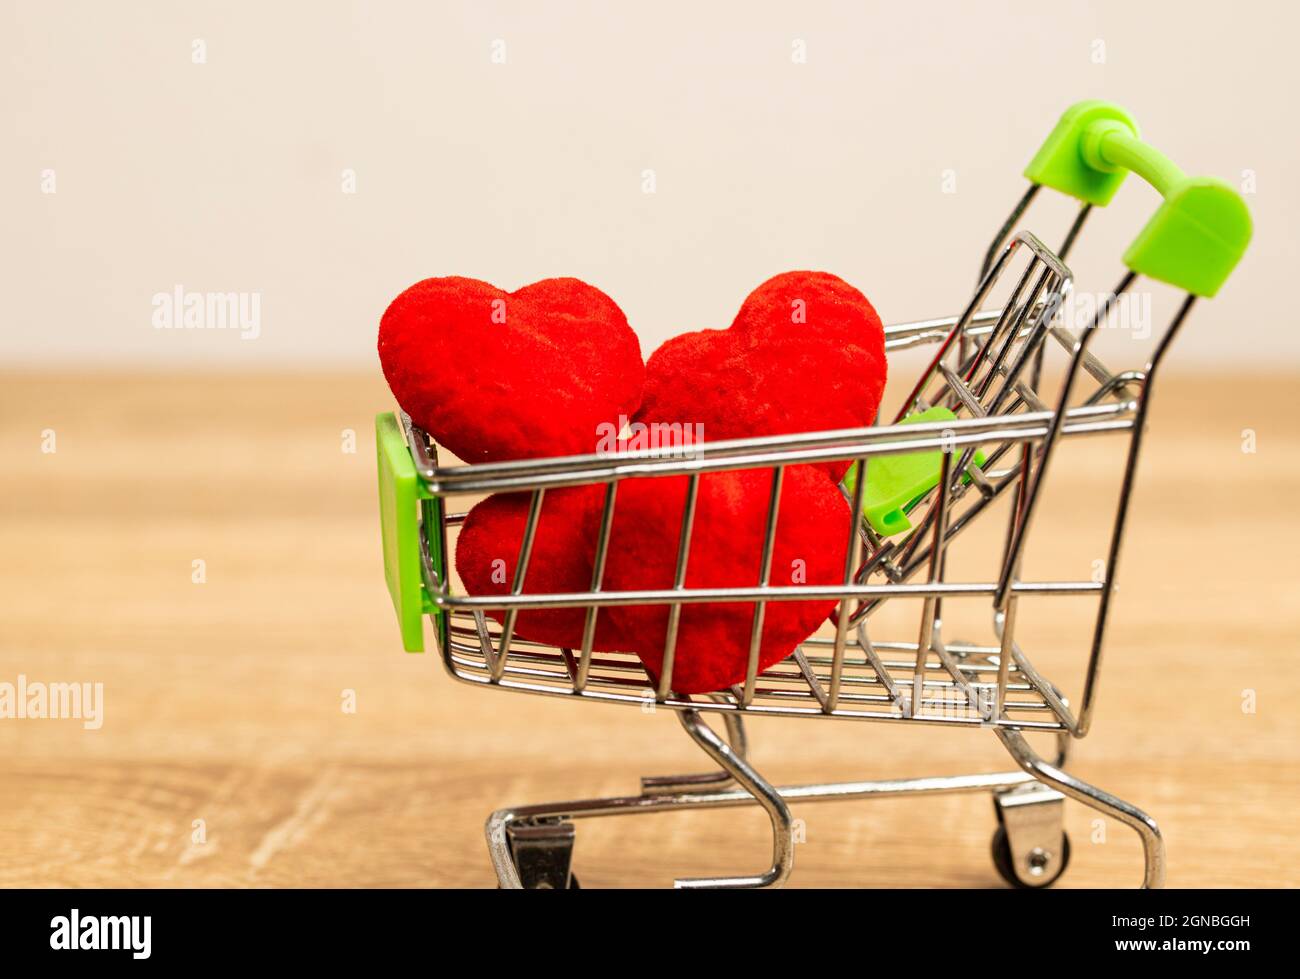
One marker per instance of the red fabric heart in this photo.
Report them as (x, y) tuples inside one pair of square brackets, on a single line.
[(496, 375), (806, 353), (713, 638)]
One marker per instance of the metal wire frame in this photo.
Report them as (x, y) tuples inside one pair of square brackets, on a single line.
[(987, 366)]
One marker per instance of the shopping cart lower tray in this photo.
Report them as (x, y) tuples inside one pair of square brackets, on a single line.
[(1012, 384)]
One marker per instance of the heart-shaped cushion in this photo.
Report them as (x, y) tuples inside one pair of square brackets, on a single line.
[(496, 375), (805, 353), (713, 639)]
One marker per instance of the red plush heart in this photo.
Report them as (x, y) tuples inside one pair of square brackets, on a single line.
[(805, 353), (487, 554), (713, 638), (495, 375)]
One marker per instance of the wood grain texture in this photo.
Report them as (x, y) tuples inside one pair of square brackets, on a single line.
[(223, 700)]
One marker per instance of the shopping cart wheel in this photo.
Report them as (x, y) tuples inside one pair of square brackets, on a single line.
[(1003, 862), (1030, 846), (543, 854), (573, 884)]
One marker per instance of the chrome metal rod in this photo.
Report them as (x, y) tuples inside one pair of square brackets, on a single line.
[(1007, 227), (1088, 700), (851, 558), (707, 781), (735, 798), (521, 570), (929, 608), (762, 791), (760, 453), (1153, 845), (679, 583), (772, 593), (597, 579), (764, 577)]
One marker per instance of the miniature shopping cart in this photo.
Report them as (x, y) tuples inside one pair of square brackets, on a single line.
[(972, 445)]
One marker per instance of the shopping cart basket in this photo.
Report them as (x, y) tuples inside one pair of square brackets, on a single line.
[(982, 424)]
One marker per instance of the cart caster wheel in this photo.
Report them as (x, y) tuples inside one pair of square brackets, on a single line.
[(543, 855), (1042, 869), (1030, 848), (573, 884)]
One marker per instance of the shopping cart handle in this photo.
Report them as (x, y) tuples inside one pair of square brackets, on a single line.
[(1202, 228)]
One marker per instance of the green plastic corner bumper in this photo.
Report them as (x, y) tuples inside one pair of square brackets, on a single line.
[(399, 501), (1202, 227), (896, 482)]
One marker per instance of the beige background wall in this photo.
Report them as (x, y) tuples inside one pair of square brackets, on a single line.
[(228, 175)]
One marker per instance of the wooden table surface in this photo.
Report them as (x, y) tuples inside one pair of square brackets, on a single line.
[(223, 700)]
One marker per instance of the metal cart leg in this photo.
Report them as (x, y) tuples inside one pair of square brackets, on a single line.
[(762, 790), (1153, 845), (702, 781), (544, 824), (532, 847)]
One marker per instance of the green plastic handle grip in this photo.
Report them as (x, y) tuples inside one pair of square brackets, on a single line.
[(1201, 229)]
